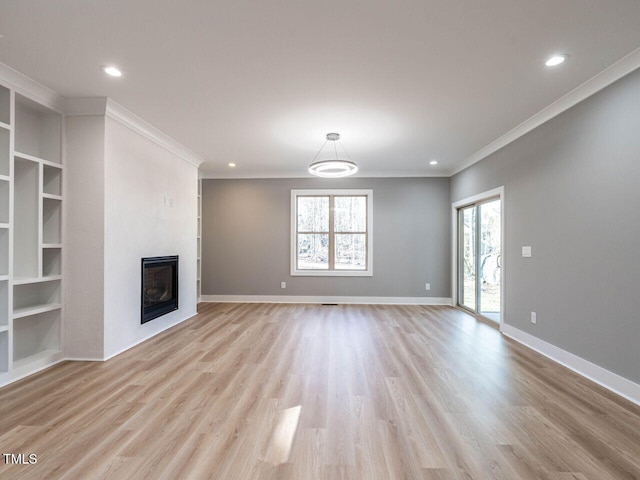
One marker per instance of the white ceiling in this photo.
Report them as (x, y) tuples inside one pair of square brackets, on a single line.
[(261, 83)]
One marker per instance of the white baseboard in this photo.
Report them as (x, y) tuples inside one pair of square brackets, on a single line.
[(326, 299), (609, 380), (7, 378), (148, 337), (84, 359)]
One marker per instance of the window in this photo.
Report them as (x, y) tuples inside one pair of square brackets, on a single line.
[(479, 255), (331, 232)]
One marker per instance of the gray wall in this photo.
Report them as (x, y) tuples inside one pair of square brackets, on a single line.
[(246, 238), (572, 190)]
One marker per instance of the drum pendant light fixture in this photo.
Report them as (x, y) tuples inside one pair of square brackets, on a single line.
[(332, 168)]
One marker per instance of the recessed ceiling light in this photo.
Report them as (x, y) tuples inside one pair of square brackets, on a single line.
[(433, 162), (232, 164), (555, 60), (112, 71)]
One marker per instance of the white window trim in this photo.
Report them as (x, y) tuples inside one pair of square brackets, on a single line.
[(294, 225)]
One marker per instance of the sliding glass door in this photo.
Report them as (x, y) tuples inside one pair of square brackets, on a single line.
[(480, 258)]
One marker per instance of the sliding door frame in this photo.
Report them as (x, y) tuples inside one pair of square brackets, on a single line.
[(455, 247)]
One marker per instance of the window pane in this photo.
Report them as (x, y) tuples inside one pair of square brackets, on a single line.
[(350, 214), (351, 252), (468, 263), (313, 251), (313, 214), (490, 259)]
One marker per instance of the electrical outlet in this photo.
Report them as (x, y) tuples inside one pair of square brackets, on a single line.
[(534, 319), (427, 286), (283, 284)]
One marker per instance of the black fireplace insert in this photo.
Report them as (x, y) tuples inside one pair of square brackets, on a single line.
[(159, 287)]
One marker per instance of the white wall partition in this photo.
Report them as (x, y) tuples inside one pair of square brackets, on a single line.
[(134, 198), (140, 223)]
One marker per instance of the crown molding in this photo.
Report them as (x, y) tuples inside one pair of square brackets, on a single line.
[(28, 87), (611, 74), (113, 110), (117, 112), (104, 106), (266, 175)]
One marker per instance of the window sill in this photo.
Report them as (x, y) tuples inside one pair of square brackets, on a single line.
[(332, 273)]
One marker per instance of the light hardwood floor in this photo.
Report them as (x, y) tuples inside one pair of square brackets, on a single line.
[(261, 391)]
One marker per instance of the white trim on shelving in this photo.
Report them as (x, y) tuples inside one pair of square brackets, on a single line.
[(35, 358), (31, 365), (31, 158), (6, 126), (29, 280), (343, 300), (35, 310), (51, 196), (49, 163), (609, 380), (603, 79)]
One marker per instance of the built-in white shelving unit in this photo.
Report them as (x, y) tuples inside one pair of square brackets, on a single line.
[(199, 239), (31, 175), (6, 148)]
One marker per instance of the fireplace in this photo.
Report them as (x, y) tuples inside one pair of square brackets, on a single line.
[(159, 287)]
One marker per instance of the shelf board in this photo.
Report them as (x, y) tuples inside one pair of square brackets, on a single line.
[(27, 280), (4, 328), (51, 196), (4, 225), (44, 357), (6, 178), (4, 277), (31, 158), (6, 126), (36, 309), (51, 245)]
